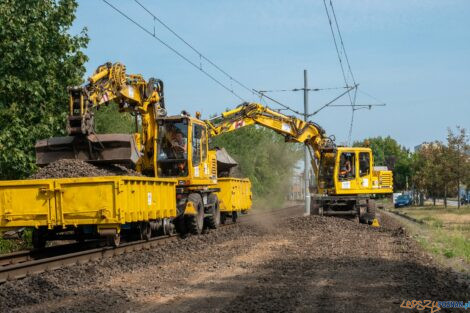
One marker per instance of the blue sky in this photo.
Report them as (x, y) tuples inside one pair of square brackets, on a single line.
[(412, 55)]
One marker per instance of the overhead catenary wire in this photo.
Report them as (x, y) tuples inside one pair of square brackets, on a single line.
[(285, 107), (330, 102), (342, 43), (174, 50), (233, 80), (200, 55), (302, 89), (337, 49), (369, 95), (203, 57), (352, 118)]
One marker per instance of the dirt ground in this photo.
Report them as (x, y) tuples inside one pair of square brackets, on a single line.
[(266, 263)]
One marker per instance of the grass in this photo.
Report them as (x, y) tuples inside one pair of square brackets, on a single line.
[(445, 232), (12, 245)]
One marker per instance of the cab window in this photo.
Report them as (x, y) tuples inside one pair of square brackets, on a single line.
[(172, 148), (364, 163), (204, 144), (197, 144), (347, 166)]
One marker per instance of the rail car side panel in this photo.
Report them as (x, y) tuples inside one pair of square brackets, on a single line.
[(85, 201), (27, 203), (235, 194)]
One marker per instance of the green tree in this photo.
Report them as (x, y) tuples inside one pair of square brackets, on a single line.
[(39, 59), (457, 159), (428, 172), (263, 157), (387, 152), (108, 119)]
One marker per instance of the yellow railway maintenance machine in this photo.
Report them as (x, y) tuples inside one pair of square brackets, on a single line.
[(345, 176), (187, 185), (181, 188)]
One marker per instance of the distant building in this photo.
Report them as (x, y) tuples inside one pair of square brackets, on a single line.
[(296, 188), (424, 145)]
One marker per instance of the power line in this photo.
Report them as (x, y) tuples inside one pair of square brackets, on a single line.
[(330, 102), (201, 56), (302, 89), (174, 50), (285, 107), (352, 118), (342, 43), (193, 48), (369, 95), (337, 49), (359, 105)]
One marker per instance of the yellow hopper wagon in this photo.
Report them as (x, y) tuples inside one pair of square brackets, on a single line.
[(180, 187), (89, 207)]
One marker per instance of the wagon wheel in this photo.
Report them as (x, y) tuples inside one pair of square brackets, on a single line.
[(234, 216), (146, 231), (114, 240)]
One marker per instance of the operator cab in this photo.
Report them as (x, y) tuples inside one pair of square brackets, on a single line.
[(182, 148), (172, 147), (347, 169)]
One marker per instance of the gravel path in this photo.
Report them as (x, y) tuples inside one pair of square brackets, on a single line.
[(264, 264)]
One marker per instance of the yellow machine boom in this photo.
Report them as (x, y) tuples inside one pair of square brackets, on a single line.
[(345, 176), (292, 128), (134, 95)]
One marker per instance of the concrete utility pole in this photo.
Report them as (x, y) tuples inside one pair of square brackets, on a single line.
[(306, 157)]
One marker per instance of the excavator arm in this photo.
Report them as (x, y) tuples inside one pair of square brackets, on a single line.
[(292, 128), (109, 83)]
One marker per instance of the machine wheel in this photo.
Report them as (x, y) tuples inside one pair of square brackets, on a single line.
[(39, 238), (114, 240), (371, 208), (146, 231), (234, 216), (370, 215), (315, 207), (223, 218), (195, 223), (180, 225), (213, 220), (168, 227)]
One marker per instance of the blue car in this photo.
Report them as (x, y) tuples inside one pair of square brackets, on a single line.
[(402, 200)]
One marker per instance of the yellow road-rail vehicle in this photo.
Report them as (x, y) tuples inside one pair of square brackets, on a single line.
[(187, 185), (181, 189), (345, 176)]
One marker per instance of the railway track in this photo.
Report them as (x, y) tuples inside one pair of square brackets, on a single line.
[(21, 264)]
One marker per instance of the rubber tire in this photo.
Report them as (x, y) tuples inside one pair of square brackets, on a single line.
[(38, 239), (180, 225), (195, 223), (213, 220), (234, 216), (371, 208), (315, 207)]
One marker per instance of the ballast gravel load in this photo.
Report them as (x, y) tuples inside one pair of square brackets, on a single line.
[(68, 168)]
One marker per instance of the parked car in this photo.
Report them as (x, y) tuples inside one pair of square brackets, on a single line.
[(465, 199), (403, 200)]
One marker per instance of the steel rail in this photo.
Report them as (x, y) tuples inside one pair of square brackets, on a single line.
[(21, 264), (23, 269)]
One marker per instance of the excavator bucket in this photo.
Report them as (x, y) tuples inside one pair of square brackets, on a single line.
[(225, 163), (102, 149)]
